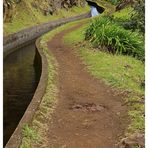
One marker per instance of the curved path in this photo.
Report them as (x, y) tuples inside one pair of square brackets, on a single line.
[(88, 113)]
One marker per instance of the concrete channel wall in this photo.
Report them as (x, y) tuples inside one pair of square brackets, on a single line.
[(16, 40)]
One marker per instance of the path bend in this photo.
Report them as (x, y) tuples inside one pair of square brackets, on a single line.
[(88, 113)]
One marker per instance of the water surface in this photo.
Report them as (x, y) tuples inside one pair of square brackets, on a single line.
[(20, 82)]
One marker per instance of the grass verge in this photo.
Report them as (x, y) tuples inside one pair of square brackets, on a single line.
[(38, 125), (107, 34)]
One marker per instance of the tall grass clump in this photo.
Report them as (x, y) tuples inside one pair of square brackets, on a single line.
[(106, 33)]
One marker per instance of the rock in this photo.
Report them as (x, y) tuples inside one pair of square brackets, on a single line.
[(136, 139), (7, 11), (45, 6)]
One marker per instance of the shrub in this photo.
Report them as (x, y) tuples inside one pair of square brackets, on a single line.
[(135, 15), (138, 17), (105, 33)]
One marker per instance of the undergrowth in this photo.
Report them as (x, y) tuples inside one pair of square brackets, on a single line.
[(124, 14), (29, 134), (105, 33)]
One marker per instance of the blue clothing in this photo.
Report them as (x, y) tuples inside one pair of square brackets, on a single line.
[(94, 11)]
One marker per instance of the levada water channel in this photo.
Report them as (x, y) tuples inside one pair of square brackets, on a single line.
[(21, 77)]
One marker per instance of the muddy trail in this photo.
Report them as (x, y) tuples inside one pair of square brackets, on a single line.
[(88, 113)]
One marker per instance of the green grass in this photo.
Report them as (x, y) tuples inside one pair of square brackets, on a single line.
[(27, 16), (124, 73), (29, 135), (29, 132), (108, 34), (124, 14)]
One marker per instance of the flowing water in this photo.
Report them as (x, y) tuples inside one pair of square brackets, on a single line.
[(20, 82)]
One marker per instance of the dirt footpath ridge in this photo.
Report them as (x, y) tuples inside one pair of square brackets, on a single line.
[(88, 113)]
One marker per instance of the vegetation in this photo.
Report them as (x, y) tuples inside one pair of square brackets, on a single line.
[(28, 132), (132, 17), (29, 135), (123, 15), (25, 15), (138, 18), (106, 33)]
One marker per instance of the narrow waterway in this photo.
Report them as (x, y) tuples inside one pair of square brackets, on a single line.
[(20, 82)]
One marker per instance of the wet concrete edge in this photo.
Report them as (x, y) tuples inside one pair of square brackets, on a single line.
[(15, 139)]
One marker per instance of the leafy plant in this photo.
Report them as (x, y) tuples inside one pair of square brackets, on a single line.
[(106, 33), (29, 132)]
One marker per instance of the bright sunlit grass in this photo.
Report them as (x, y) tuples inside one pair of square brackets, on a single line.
[(124, 14)]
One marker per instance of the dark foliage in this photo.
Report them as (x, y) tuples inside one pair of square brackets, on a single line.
[(137, 21)]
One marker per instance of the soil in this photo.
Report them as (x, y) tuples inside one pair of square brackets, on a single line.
[(88, 114)]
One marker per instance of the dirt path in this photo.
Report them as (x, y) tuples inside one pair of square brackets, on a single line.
[(88, 113)]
